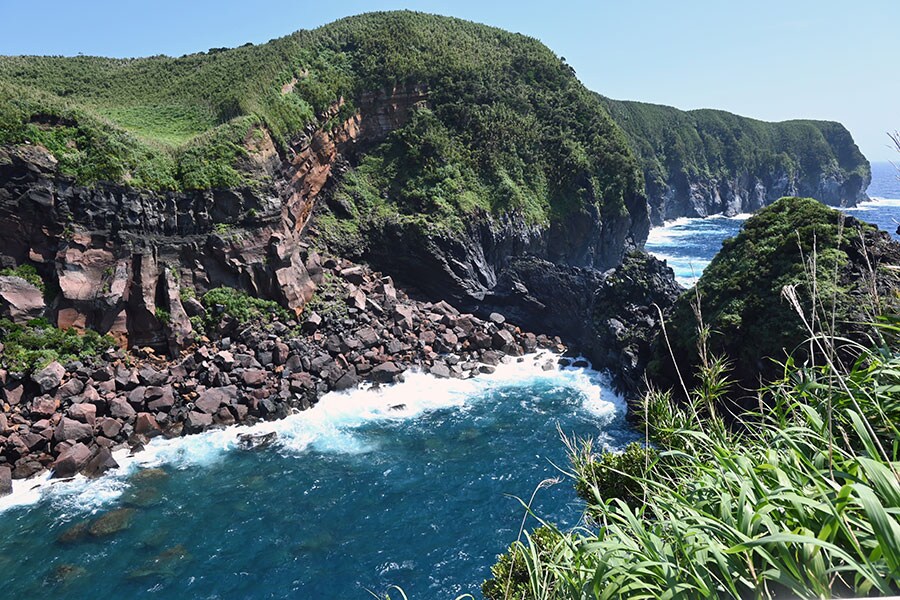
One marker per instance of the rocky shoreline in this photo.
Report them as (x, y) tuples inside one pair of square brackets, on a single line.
[(71, 418)]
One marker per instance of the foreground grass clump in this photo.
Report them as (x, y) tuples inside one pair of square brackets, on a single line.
[(32, 346), (226, 301), (802, 500)]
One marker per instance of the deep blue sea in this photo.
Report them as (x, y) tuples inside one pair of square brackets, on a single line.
[(355, 496), (688, 245)]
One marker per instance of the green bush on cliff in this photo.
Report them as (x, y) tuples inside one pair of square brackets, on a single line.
[(794, 242), (32, 346), (802, 500), (26, 272), (239, 305)]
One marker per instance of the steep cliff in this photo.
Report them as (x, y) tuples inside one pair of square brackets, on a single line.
[(702, 162), (444, 149)]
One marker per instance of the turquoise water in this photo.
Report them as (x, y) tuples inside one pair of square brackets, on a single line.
[(355, 496), (688, 245)]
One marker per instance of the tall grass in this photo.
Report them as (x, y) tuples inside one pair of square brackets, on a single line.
[(797, 498)]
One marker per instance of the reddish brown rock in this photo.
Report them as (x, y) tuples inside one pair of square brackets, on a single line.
[(84, 412), (70, 429), (253, 377), (44, 406), (71, 460), (146, 424), (19, 300), (120, 409)]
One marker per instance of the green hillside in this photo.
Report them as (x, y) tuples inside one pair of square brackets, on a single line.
[(713, 144), (509, 127)]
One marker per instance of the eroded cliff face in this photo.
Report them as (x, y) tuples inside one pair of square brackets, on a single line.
[(132, 262), (119, 260), (683, 195)]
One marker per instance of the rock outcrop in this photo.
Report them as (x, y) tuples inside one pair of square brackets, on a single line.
[(118, 258), (745, 296)]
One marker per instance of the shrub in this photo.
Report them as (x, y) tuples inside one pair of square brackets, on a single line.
[(240, 306), (30, 347)]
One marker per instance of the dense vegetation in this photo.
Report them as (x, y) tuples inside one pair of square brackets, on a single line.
[(794, 242), (240, 306), (676, 145), (801, 500), (509, 127), (30, 347)]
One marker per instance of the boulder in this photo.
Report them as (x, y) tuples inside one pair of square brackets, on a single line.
[(49, 378), (253, 377), (112, 522), (385, 372), (198, 421), (120, 409), (44, 406), (256, 441), (100, 462), (440, 370), (164, 401), (84, 413), (71, 460), (110, 427), (210, 400), (70, 429), (5, 480), (146, 424), (20, 300)]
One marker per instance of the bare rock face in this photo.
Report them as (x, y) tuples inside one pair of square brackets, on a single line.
[(19, 300)]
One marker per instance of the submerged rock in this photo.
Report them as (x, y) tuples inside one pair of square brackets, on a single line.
[(112, 522)]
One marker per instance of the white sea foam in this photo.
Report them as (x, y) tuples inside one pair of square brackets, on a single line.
[(328, 427), (669, 232), (876, 203)]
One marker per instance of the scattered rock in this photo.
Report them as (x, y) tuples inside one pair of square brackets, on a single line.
[(49, 378), (256, 441), (71, 460)]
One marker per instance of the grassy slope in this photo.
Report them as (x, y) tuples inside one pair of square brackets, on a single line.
[(510, 126), (713, 143)]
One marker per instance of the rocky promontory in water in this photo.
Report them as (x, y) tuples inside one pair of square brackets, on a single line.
[(254, 227)]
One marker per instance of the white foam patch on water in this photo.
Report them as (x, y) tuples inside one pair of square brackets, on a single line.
[(327, 427), (875, 203), (669, 233)]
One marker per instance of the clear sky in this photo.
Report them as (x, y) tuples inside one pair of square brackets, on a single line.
[(769, 59)]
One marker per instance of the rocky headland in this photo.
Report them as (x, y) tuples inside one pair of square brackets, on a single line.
[(704, 162), (367, 195)]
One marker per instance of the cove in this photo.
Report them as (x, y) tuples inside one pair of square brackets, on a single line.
[(408, 485)]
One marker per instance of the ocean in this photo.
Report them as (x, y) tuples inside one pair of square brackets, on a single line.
[(416, 485), (688, 245)]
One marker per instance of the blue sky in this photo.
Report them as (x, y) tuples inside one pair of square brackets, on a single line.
[(773, 60)]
